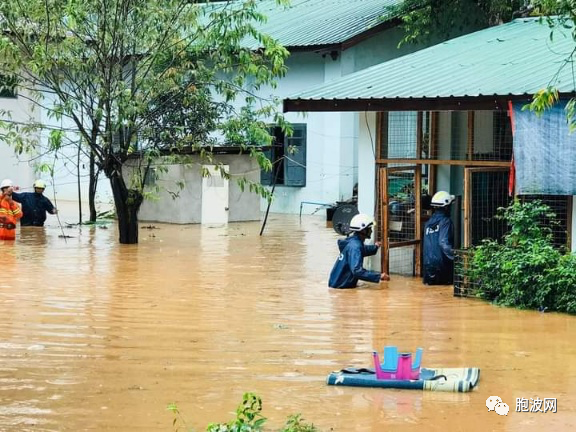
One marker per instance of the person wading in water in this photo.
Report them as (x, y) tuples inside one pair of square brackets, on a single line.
[(439, 242), (349, 267), (10, 211), (34, 205)]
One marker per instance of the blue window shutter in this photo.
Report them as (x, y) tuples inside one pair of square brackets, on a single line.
[(295, 163), (267, 177)]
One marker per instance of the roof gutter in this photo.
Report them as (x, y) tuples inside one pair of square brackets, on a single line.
[(463, 103)]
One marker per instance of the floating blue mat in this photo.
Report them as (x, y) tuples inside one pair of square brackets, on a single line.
[(441, 379)]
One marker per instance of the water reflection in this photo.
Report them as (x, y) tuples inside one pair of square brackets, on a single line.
[(100, 336)]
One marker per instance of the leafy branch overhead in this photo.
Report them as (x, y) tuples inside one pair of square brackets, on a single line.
[(426, 21), (149, 77)]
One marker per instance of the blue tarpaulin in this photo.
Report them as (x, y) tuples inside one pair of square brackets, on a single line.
[(544, 152)]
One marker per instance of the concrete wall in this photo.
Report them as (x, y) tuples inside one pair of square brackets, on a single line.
[(187, 206)]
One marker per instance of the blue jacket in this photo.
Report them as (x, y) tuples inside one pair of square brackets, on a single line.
[(34, 207), (438, 249), (349, 268)]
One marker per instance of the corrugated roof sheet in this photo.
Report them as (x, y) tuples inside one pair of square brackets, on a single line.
[(517, 58), (319, 22)]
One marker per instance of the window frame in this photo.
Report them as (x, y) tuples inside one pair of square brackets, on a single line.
[(8, 86), (289, 169)]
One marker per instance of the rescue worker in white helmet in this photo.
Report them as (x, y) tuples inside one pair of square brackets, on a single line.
[(34, 205), (439, 242), (349, 267)]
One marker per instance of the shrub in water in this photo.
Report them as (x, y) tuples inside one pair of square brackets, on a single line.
[(525, 270), (248, 419)]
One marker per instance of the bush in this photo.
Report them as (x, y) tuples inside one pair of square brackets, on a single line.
[(248, 419), (524, 270), (563, 284)]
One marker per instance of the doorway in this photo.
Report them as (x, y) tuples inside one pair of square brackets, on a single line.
[(215, 195)]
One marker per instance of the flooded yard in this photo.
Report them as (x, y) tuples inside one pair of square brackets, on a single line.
[(100, 336)]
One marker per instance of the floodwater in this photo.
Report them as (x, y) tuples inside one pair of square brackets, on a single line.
[(102, 337)]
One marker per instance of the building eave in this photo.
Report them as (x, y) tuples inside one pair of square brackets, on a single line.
[(452, 103)]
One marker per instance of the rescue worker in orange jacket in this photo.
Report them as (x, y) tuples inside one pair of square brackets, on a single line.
[(10, 212)]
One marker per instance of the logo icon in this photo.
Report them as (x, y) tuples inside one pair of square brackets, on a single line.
[(494, 403), (502, 409)]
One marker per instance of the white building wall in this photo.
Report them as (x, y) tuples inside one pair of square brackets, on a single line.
[(367, 176), (18, 168), (333, 155), (366, 159), (331, 159), (23, 169), (71, 167)]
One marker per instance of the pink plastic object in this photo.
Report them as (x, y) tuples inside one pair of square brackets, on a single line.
[(380, 374), (404, 366), (404, 370)]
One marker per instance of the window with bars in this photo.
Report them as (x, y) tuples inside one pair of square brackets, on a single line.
[(288, 154)]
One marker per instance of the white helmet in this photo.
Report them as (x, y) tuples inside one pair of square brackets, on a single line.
[(6, 183), (442, 199), (39, 184), (361, 222)]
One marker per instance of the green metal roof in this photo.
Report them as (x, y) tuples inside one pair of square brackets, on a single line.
[(512, 60), (309, 23)]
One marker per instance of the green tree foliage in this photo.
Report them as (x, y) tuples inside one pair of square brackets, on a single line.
[(436, 20), (148, 76), (558, 15)]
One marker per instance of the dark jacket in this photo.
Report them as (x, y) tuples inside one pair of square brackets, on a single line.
[(349, 268), (34, 207), (438, 249)]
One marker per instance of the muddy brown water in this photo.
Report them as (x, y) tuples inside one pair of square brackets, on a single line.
[(102, 337)]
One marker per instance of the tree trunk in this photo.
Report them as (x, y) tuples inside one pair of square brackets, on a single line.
[(127, 202), (79, 184), (92, 185)]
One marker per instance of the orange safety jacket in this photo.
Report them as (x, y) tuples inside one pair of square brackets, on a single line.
[(10, 214)]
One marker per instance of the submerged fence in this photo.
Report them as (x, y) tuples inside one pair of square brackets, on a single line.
[(464, 284)]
